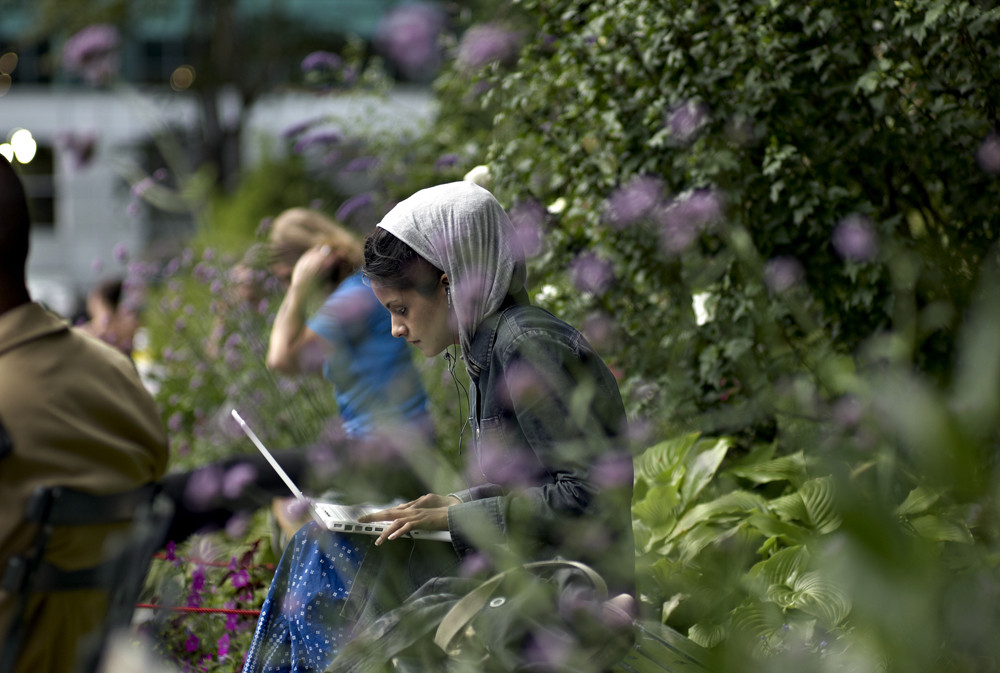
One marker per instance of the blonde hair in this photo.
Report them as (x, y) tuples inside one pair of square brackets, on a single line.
[(298, 229)]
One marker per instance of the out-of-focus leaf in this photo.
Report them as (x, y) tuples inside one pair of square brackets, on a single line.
[(941, 529)]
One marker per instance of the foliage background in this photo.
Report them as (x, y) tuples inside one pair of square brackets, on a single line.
[(777, 221)]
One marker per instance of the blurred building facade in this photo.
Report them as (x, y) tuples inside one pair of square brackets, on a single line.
[(82, 150)]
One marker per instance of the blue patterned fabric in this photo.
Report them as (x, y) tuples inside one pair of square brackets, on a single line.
[(301, 626)]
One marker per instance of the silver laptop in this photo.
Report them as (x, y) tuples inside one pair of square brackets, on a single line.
[(330, 515)]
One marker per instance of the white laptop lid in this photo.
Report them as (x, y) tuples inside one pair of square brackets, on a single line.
[(330, 515)]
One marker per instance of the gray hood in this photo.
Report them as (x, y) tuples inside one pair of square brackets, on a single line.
[(461, 229)]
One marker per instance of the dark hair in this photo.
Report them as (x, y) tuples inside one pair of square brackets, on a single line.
[(390, 262), (15, 224), (111, 291)]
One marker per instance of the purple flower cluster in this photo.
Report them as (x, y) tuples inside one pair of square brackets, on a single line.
[(683, 218), (855, 240), (408, 37), (782, 273), (634, 200), (988, 154), (590, 273), (487, 43), (529, 217), (685, 119), (92, 53)]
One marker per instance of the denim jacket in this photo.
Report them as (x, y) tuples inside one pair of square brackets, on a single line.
[(551, 454)]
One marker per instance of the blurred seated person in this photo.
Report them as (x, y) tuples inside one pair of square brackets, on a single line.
[(109, 317), (73, 412)]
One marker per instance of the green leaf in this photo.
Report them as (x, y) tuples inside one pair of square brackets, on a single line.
[(815, 594), (703, 468), (784, 468), (941, 529), (818, 498), (919, 500), (657, 464), (728, 503), (771, 526), (708, 635)]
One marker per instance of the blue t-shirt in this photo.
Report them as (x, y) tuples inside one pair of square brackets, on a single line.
[(372, 372)]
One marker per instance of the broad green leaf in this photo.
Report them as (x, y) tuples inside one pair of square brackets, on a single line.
[(729, 503), (658, 463), (703, 468), (814, 594), (941, 529), (819, 499), (787, 468), (790, 507), (780, 568), (918, 501), (771, 526), (707, 635), (657, 508)]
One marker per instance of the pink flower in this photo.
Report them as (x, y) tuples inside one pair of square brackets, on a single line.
[(92, 53)]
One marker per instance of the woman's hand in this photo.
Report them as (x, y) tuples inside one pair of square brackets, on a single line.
[(313, 265), (428, 512)]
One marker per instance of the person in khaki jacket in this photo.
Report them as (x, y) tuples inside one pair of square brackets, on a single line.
[(73, 412)]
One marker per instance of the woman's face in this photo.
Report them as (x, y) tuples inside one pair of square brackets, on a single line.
[(426, 322)]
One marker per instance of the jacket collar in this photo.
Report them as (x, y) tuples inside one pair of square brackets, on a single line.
[(481, 348), (26, 323)]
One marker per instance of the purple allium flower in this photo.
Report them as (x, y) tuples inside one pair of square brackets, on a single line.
[(684, 218), (613, 471), (685, 119), (486, 43), (988, 154), (318, 138), (854, 239), (599, 329), (192, 643), (92, 53), (782, 273), (634, 200), (237, 478), (446, 161), (175, 421), (408, 37), (361, 164), (528, 218), (847, 411), (203, 487), (301, 127), (321, 60), (590, 273)]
